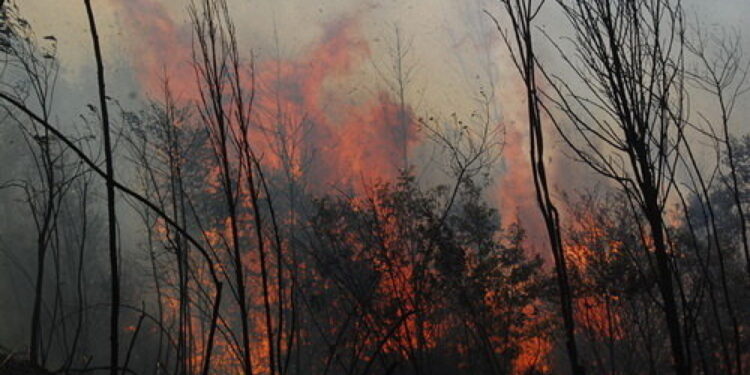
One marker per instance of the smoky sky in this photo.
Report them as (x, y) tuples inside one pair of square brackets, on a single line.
[(455, 56)]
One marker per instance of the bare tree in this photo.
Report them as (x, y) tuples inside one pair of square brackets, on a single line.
[(114, 325), (521, 46), (627, 116), (39, 68), (723, 74)]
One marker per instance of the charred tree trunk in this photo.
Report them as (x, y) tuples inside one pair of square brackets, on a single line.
[(522, 15), (665, 275), (111, 215)]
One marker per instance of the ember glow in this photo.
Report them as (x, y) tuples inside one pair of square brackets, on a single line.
[(359, 187)]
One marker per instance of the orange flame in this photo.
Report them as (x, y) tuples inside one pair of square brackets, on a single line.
[(354, 139)]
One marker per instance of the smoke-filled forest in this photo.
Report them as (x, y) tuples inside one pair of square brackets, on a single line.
[(353, 187)]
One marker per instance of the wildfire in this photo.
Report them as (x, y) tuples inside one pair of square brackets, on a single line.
[(534, 356), (309, 124), (299, 110), (589, 246)]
